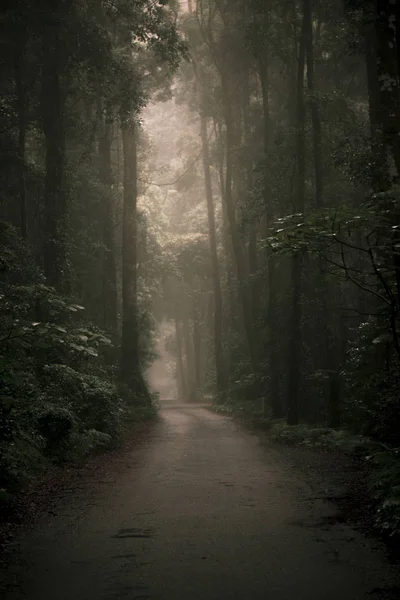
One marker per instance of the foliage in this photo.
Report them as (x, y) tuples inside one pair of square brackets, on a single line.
[(385, 488), (59, 399), (371, 384), (316, 437), (61, 224), (381, 461)]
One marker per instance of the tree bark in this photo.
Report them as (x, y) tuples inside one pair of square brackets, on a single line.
[(197, 350), (388, 77), (182, 385), (315, 115), (379, 174), (236, 244), (131, 373), (273, 361), (52, 111), (190, 360), (109, 263), (21, 110), (388, 55), (295, 342), (217, 331), (212, 236)]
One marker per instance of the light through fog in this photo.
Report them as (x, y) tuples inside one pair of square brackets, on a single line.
[(171, 197)]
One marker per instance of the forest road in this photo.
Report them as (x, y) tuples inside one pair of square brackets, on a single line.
[(199, 511)]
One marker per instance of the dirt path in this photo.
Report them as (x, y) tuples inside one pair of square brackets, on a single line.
[(200, 510)]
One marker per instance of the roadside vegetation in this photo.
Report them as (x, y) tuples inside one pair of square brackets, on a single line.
[(77, 318)]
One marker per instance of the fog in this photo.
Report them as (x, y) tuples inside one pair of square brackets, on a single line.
[(200, 235)]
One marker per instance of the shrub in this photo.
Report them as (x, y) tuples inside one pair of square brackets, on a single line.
[(372, 379), (385, 488), (55, 425), (58, 397)]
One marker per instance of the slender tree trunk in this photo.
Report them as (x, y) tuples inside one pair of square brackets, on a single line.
[(388, 55), (190, 361), (326, 356), (197, 350), (245, 184), (253, 268), (232, 302), (182, 385), (217, 332), (388, 77), (314, 108), (130, 358), (295, 344), (109, 263), (334, 416), (236, 244), (273, 359), (379, 172), (21, 109), (52, 111)]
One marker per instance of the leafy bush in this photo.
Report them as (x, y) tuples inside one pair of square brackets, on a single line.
[(384, 476), (250, 411), (55, 425), (372, 378), (86, 442), (58, 396), (20, 460), (385, 488), (316, 437)]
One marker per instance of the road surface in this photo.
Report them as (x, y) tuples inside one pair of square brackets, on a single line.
[(199, 511)]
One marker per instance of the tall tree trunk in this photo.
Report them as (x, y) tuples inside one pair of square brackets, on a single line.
[(52, 111), (245, 183), (314, 108), (388, 55), (273, 359), (295, 342), (130, 358), (334, 391), (388, 76), (197, 350), (253, 268), (182, 385), (379, 173), (236, 244), (21, 110), (217, 331), (326, 357), (189, 355), (109, 264), (232, 310)]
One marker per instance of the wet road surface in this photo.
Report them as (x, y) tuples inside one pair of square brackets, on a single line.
[(199, 511)]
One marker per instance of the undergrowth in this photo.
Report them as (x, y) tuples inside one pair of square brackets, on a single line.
[(60, 398), (383, 462)]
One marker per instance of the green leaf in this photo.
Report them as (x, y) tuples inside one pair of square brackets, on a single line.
[(78, 348), (83, 338), (384, 338)]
